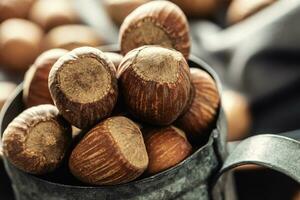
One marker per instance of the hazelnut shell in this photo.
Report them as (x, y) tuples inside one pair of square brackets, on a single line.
[(35, 87), (203, 108), (241, 9), (196, 8), (155, 84), (83, 86), (19, 43), (71, 36), (14, 8), (156, 23), (119, 9), (36, 141), (237, 112), (166, 148), (49, 14), (116, 142), (115, 58)]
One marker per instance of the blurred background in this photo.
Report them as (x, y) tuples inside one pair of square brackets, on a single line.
[(254, 46)]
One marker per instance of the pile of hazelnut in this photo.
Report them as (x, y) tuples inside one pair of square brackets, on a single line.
[(139, 114)]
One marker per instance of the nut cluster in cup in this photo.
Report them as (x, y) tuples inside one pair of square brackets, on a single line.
[(142, 112)]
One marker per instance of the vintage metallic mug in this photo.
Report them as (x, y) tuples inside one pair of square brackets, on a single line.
[(197, 177)]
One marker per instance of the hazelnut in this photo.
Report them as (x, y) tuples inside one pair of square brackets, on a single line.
[(119, 9), (241, 9), (19, 43), (155, 84), (115, 58), (116, 142), (6, 89), (237, 112), (203, 108), (156, 23), (296, 196), (36, 141), (14, 8), (35, 87), (196, 8), (49, 14), (71, 36), (83, 86), (166, 148)]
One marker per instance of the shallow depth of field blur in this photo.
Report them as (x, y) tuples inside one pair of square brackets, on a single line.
[(253, 45)]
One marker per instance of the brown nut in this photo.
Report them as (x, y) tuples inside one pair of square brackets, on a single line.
[(115, 58), (166, 148), (119, 9), (203, 108), (19, 43), (49, 14), (196, 8), (116, 142), (14, 8), (37, 140), (35, 87), (6, 89), (237, 112), (83, 86), (155, 84), (156, 23), (242, 9), (71, 36)]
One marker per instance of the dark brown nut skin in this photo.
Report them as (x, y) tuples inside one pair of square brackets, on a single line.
[(241, 9), (49, 14), (115, 58), (196, 8), (14, 8), (155, 84), (19, 44), (166, 148), (156, 23), (203, 107), (116, 142), (238, 115), (37, 140), (83, 86), (35, 86), (70, 37), (119, 9)]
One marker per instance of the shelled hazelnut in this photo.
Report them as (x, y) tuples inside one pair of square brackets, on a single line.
[(83, 86), (36, 141), (14, 8), (242, 9), (237, 112), (166, 148), (203, 107), (71, 36), (116, 142), (119, 9), (156, 23), (49, 14), (19, 43), (115, 58), (6, 88), (196, 8), (155, 84), (35, 87)]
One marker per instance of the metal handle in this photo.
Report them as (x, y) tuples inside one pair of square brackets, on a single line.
[(276, 152)]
